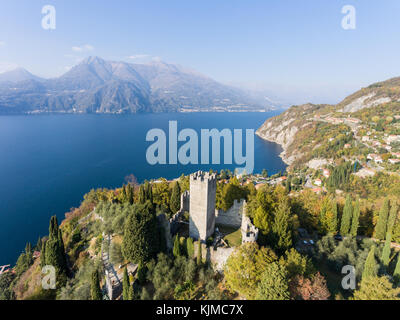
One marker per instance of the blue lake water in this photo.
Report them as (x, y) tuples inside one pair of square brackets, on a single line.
[(48, 162)]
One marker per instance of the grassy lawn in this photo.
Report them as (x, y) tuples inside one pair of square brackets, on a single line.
[(232, 235)]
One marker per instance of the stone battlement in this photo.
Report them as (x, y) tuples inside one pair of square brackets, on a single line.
[(201, 176)]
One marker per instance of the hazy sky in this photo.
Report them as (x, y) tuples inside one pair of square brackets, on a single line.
[(291, 47)]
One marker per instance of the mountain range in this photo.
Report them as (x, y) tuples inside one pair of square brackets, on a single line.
[(99, 86)]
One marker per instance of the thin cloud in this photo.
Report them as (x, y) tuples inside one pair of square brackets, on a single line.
[(84, 48), (138, 56)]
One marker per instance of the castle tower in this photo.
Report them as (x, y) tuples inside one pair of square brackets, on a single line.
[(203, 188)]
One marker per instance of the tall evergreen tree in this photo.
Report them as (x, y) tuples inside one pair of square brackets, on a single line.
[(28, 254), (393, 216), (43, 254), (95, 291), (55, 251), (124, 195), (282, 233), (334, 223), (175, 203), (386, 249), (142, 195), (176, 250), (346, 217), (141, 237), (288, 185), (148, 191), (125, 285), (356, 217), (129, 193), (381, 225), (38, 246), (370, 266), (396, 273), (199, 259), (190, 247)]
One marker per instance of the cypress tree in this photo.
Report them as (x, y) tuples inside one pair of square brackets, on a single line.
[(175, 203), (396, 273), (141, 237), (43, 254), (142, 195), (370, 265), (334, 216), (392, 216), (95, 290), (124, 195), (386, 249), (39, 244), (281, 229), (288, 185), (381, 225), (28, 254), (346, 218), (199, 258), (148, 191), (55, 251), (125, 285), (176, 250), (355, 221), (141, 273), (129, 194), (189, 247)]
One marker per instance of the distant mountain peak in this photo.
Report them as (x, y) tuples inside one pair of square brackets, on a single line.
[(16, 75), (93, 60)]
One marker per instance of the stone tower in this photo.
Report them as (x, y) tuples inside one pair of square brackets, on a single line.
[(203, 188)]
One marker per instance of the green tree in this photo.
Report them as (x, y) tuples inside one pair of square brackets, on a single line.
[(355, 221), (95, 291), (281, 229), (125, 285), (129, 193), (381, 225), (141, 237), (346, 217), (393, 216), (370, 266), (190, 247), (177, 248), (386, 249), (377, 288), (28, 254), (274, 283), (199, 258), (396, 273), (333, 223), (55, 251), (264, 173), (245, 266), (43, 254), (175, 202), (141, 273)]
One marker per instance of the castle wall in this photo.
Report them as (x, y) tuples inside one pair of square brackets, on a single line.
[(203, 188), (249, 231), (232, 217)]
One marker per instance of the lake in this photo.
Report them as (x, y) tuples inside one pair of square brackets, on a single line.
[(48, 162)]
